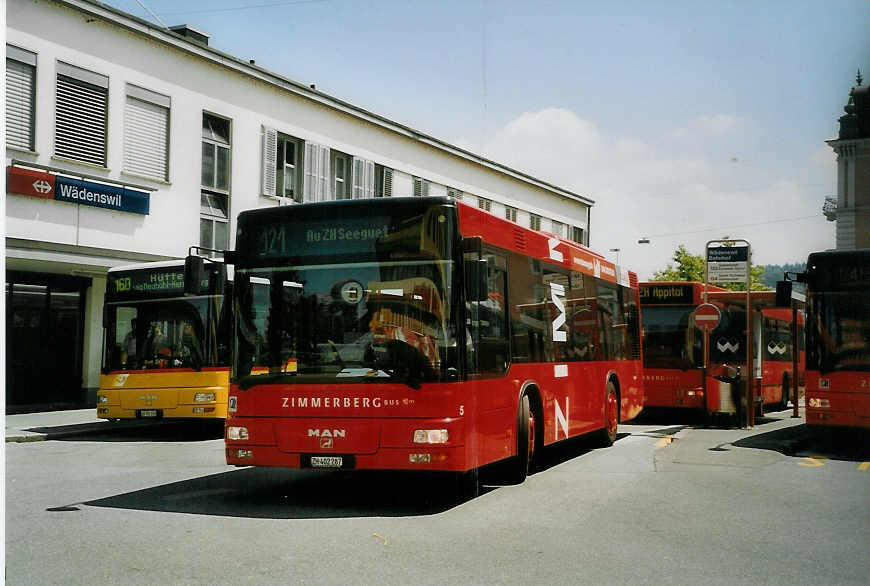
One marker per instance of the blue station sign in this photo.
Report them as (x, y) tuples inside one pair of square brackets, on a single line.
[(99, 195)]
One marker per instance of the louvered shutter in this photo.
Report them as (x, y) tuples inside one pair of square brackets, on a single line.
[(369, 184), (363, 179), (316, 183), (309, 183), (82, 114), (146, 133), (388, 182), (323, 174), (270, 161), (20, 93), (358, 178)]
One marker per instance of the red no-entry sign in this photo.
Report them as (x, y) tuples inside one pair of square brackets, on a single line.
[(707, 316)]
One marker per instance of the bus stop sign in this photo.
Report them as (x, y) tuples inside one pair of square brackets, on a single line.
[(707, 316)]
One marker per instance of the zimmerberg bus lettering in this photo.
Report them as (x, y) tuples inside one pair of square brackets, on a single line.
[(73, 192), (339, 234), (557, 294), (336, 402)]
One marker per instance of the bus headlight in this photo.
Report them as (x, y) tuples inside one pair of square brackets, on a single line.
[(237, 433), (204, 397), (431, 436), (820, 403), (102, 399)]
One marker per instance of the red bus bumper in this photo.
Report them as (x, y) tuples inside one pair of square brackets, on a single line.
[(358, 444)]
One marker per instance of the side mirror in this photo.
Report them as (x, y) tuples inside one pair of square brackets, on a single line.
[(783, 293), (194, 270)]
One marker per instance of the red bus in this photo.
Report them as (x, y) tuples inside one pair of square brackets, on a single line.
[(422, 334), (674, 351), (772, 345), (838, 338), (673, 346)]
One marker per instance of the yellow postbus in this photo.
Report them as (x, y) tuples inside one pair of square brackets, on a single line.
[(165, 354)]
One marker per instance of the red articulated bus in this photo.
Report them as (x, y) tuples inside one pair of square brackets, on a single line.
[(838, 338), (674, 349), (422, 334)]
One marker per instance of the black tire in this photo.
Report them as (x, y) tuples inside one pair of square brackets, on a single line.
[(519, 466), (608, 433)]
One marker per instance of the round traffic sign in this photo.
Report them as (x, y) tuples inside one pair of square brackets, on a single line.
[(707, 316)]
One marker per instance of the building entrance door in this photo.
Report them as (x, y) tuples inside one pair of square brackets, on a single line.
[(44, 341)]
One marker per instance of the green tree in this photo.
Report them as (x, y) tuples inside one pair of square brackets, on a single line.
[(690, 267)]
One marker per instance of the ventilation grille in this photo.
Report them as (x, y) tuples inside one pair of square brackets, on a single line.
[(520, 239)]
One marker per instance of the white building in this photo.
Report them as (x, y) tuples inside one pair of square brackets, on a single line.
[(851, 206), (128, 142)]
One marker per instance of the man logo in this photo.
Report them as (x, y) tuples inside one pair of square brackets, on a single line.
[(728, 345), (774, 348), (326, 436)]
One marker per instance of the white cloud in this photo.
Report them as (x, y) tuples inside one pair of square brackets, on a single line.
[(676, 189)]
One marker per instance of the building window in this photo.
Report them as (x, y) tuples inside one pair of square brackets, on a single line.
[(383, 181), (577, 235), (484, 204), (421, 187), (81, 118), (558, 228), (454, 193), (510, 213), (20, 98), (534, 222), (215, 198), (146, 133), (214, 221), (215, 152), (288, 179), (342, 166)]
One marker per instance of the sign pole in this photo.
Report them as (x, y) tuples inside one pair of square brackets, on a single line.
[(733, 264)]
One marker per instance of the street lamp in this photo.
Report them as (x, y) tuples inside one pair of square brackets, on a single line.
[(643, 240), (616, 250)]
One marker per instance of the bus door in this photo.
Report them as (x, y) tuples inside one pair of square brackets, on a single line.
[(487, 354)]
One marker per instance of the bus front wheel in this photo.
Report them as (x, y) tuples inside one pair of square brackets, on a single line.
[(523, 463), (611, 416)]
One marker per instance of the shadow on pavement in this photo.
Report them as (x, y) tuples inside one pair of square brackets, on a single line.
[(835, 444), (280, 493), (135, 431)]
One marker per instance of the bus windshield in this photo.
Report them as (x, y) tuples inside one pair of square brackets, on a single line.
[(164, 333), (668, 339), (323, 295), (838, 332)]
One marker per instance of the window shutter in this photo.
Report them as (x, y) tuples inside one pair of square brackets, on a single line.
[(388, 182), (358, 178), (146, 133), (363, 179), (323, 174), (19, 104), (369, 184), (270, 161), (81, 119), (309, 182)]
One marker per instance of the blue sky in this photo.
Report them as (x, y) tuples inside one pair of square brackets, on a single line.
[(684, 121)]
